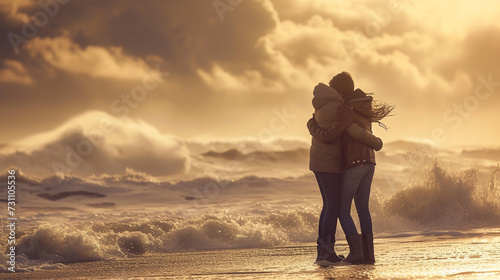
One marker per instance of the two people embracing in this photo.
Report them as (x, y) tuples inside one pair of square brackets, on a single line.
[(342, 157)]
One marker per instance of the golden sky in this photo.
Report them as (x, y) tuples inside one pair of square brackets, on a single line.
[(236, 69)]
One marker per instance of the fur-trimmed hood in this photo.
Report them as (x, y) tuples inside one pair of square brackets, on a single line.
[(324, 94)]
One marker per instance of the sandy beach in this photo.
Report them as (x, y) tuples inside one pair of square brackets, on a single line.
[(432, 255)]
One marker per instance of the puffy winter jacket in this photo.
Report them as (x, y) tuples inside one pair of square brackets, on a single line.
[(327, 157)]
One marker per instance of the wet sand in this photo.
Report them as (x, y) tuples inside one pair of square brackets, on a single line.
[(414, 257)]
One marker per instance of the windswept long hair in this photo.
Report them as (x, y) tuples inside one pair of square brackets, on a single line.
[(380, 110)]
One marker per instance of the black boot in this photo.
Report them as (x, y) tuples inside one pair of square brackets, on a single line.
[(327, 255), (318, 249), (367, 243), (355, 249)]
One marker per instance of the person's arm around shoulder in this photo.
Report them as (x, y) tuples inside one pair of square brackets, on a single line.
[(362, 135), (365, 137), (332, 134), (345, 123)]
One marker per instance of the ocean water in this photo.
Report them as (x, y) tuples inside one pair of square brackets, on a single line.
[(436, 212)]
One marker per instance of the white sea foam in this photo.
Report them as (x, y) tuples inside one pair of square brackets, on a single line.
[(235, 196), (98, 143), (99, 237)]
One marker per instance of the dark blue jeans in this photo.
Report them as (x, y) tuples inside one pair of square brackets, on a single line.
[(356, 184), (329, 185)]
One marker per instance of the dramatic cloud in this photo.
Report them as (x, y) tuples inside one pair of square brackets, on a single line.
[(14, 72), (231, 72), (66, 55)]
